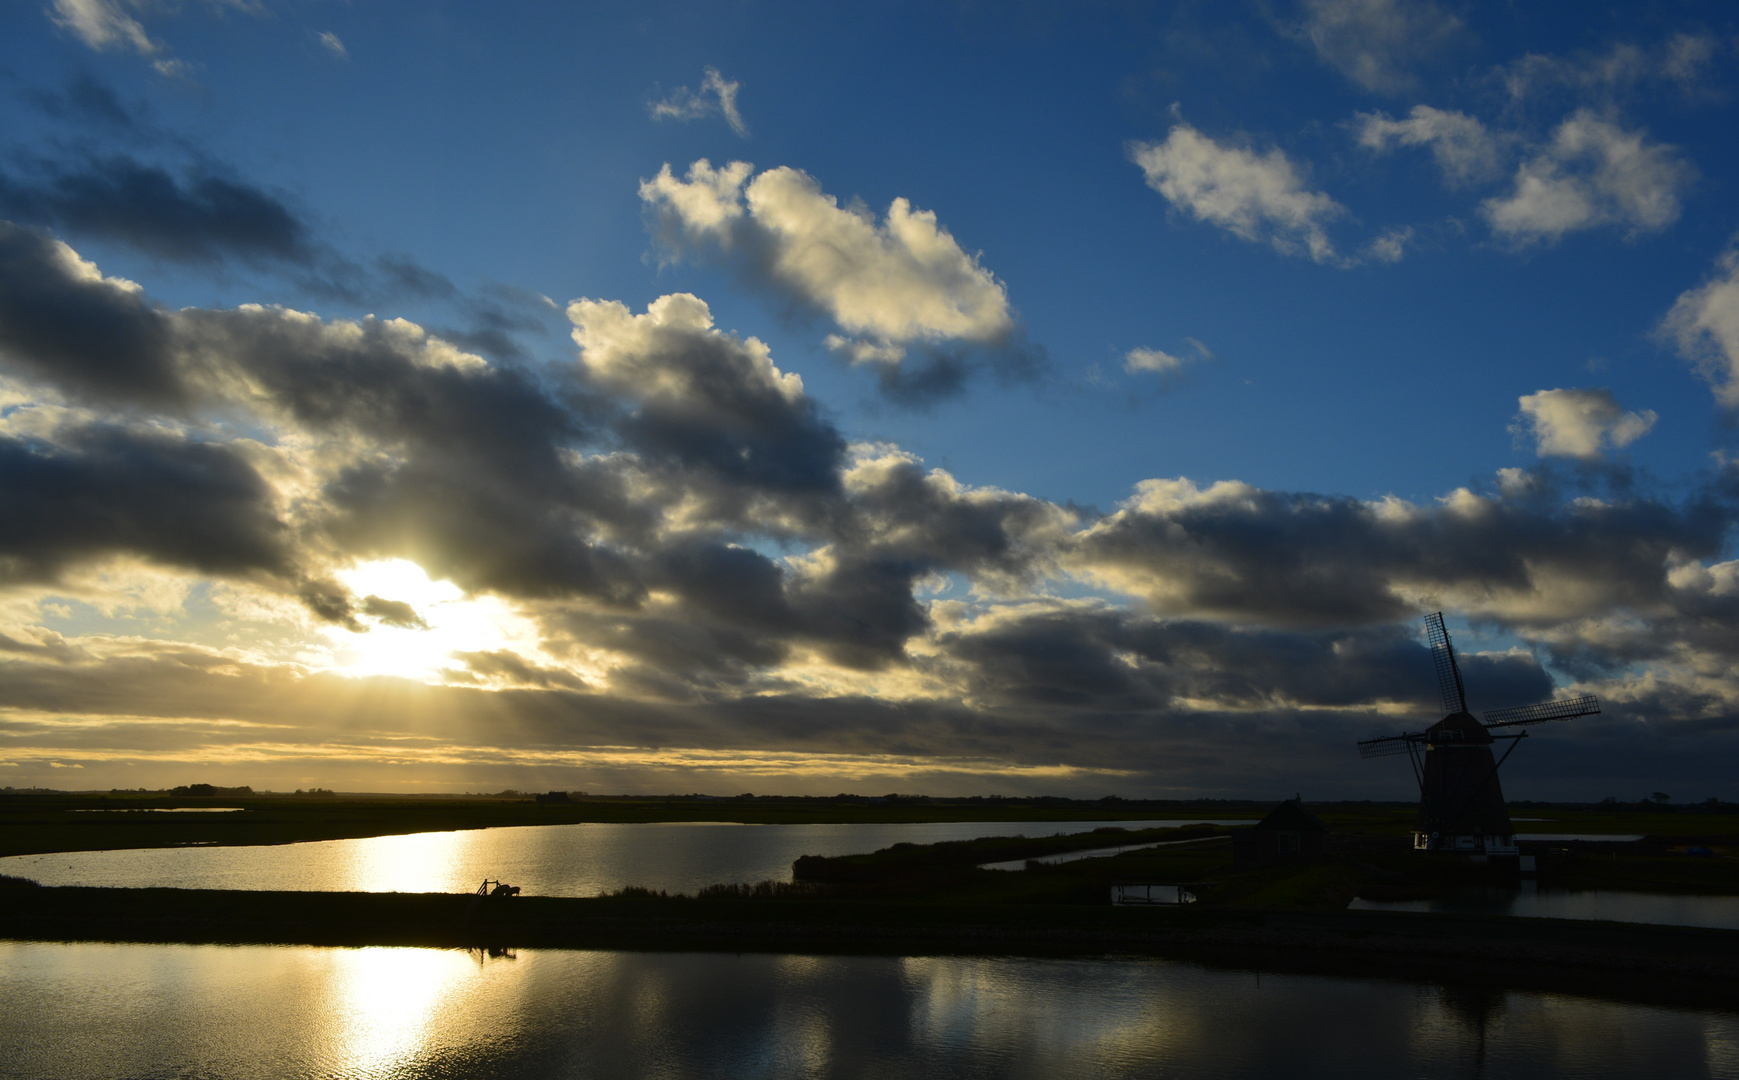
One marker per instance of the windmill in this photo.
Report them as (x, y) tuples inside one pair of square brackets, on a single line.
[(1461, 807)]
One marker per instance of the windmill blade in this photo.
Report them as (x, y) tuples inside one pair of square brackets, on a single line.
[(1443, 655), (1388, 745), (1566, 709)]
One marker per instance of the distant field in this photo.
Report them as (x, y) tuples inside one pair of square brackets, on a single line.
[(32, 823)]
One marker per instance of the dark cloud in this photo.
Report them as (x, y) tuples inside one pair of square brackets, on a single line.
[(62, 323), (105, 491), (1276, 557), (87, 101), (393, 613), (200, 217)]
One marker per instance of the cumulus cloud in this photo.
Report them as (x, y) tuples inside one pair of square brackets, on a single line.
[(1162, 363), (1580, 423), (717, 95), (1461, 145), (891, 284), (1591, 173), (1278, 558), (1705, 323), (696, 560), (1376, 43), (1258, 197)]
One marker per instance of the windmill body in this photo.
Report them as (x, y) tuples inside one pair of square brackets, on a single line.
[(1456, 761), (1461, 806)]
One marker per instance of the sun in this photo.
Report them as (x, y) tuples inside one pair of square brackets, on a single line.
[(416, 624)]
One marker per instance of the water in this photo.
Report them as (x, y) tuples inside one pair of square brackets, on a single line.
[(88, 1010), (543, 860), (1531, 901), (1090, 853)]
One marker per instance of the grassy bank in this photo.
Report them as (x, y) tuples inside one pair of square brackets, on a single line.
[(1639, 962)]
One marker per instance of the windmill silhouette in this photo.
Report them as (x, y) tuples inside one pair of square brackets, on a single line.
[(1461, 806)]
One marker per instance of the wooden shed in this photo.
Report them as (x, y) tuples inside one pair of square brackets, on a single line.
[(1289, 835)]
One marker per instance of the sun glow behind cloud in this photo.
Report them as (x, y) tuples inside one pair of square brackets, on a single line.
[(452, 623)]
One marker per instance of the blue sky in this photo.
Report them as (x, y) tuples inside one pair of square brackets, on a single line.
[(1263, 327)]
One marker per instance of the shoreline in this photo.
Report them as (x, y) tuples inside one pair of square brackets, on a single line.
[(1628, 961)]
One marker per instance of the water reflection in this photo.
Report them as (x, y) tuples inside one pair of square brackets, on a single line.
[(147, 1010), (1528, 900), (544, 860)]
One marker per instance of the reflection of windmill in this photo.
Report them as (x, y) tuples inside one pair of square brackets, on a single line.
[(1461, 807)]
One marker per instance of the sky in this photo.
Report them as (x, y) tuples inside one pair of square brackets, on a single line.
[(945, 398)]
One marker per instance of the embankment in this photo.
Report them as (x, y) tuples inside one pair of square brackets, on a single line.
[(1662, 964)]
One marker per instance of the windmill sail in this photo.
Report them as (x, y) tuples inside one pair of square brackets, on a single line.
[(1448, 673), (1567, 709), (1389, 745)]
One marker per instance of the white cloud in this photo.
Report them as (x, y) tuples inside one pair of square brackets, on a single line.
[(643, 355), (1682, 59), (1462, 146), (1592, 173), (1705, 321), (1373, 42), (889, 284), (334, 45), (1161, 362), (1580, 423), (102, 24), (1390, 247), (1151, 360), (717, 95), (1258, 197)]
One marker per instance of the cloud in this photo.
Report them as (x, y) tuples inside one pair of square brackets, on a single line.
[(62, 320), (717, 96), (201, 217), (1683, 58), (1375, 43), (1162, 363), (891, 285), (1580, 423), (1592, 173), (1231, 551), (333, 45), (706, 400), (393, 613), (102, 24), (1461, 145), (102, 491), (1705, 323), (1389, 247), (694, 559), (1257, 197)]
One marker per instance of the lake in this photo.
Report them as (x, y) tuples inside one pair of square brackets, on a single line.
[(94, 1010), (543, 860)]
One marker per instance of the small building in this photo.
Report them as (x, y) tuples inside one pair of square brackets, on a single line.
[(1289, 835)]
